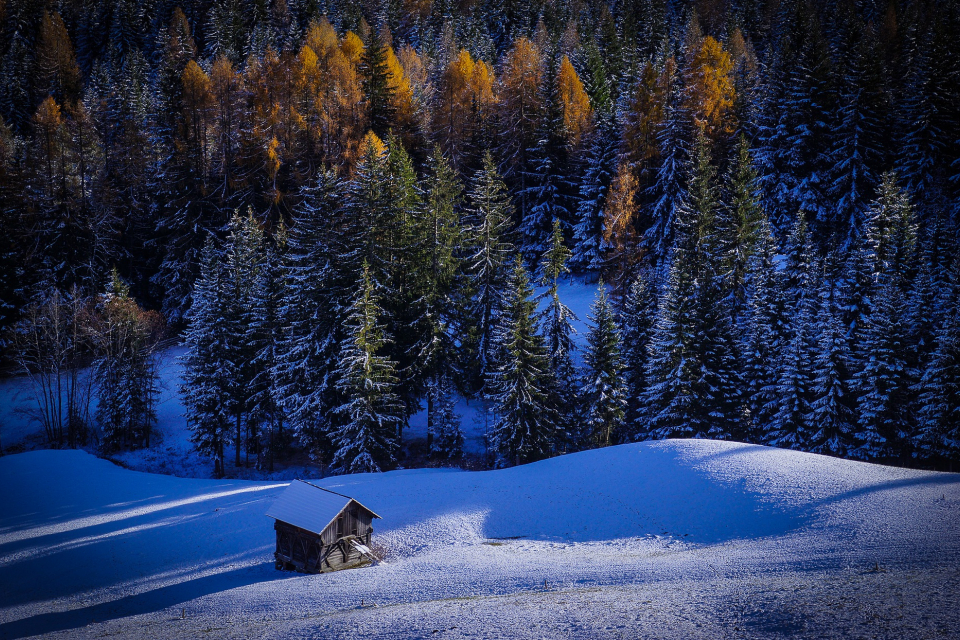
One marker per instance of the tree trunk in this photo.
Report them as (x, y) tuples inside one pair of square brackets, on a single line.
[(239, 435)]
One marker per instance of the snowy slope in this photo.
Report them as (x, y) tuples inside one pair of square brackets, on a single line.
[(678, 539)]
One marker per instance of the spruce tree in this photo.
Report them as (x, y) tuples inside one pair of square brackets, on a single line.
[(600, 166), (558, 331), (636, 322), (489, 211), (833, 405), (437, 288), (206, 387), (447, 442), (242, 264), (884, 378), (521, 386), (604, 389), (366, 440), (693, 377), (790, 425), (746, 217), (765, 335), (938, 432), (264, 337), (312, 312), (377, 91)]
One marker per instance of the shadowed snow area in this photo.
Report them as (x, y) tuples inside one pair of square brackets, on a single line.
[(673, 539)]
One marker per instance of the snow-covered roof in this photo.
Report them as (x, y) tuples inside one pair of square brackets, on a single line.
[(310, 507)]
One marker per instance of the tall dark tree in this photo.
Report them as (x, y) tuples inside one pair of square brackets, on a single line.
[(366, 439), (377, 91), (521, 385), (603, 385)]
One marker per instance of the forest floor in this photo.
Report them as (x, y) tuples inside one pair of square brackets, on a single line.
[(671, 539)]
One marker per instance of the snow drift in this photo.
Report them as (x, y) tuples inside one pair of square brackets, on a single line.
[(86, 546)]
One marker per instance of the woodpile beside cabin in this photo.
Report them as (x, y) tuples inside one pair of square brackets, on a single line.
[(320, 530)]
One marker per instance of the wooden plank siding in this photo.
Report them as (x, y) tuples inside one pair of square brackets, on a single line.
[(305, 551)]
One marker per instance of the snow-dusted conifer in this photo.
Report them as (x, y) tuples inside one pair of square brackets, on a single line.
[(558, 331), (790, 415), (765, 334), (884, 379), (437, 300), (365, 440), (692, 374), (447, 443), (588, 251), (833, 406), (636, 326), (206, 388), (938, 432), (241, 263), (311, 313), (521, 387), (263, 336), (603, 383), (489, 211), (746, 218)]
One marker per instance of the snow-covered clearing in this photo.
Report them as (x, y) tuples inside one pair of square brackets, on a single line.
[(674, 539)]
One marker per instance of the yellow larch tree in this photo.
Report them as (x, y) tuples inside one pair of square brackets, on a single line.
[(619, 234), (57, 65), (710, 92), (197, 104), (577, 112)]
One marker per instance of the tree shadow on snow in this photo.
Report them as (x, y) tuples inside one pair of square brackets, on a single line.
[(146, 602)]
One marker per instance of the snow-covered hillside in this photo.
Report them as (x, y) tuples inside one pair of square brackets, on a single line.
[(674, 539)]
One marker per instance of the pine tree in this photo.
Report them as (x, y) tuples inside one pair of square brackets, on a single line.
[(264, 337), (746, 216), (938, 432), (604, 387), (765, 333), (558, 331), (378, 95), (668, 188), (600, 167), (790, 425), (521, 385), (490, 211), (883, 380), (447, 442), (693, 378), (126, 369), (547, 188), (437, 290), (206, 385), (833, 406), (636, 322), (371, 412), (312, 312), (242, 264)]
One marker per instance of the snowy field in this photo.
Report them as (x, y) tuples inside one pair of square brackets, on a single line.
[(674, 539)]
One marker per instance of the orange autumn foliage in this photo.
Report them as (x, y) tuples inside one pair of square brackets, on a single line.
[(577, 112), (710, 91)]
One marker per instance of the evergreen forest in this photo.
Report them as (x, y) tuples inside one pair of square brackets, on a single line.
[(348, 212)]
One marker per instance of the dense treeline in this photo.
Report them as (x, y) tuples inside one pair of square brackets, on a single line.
[(770, 187)]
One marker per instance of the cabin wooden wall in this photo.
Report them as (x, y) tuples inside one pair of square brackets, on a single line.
[(303, 550)]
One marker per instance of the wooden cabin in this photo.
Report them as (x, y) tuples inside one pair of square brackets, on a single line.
[(319, 530)]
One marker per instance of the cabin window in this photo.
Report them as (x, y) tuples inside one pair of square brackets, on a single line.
[(340, 526)]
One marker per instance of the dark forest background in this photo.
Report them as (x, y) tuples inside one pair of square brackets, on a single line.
[(302, 188)]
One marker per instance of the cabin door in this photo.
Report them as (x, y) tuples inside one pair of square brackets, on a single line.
[(340, 526)]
